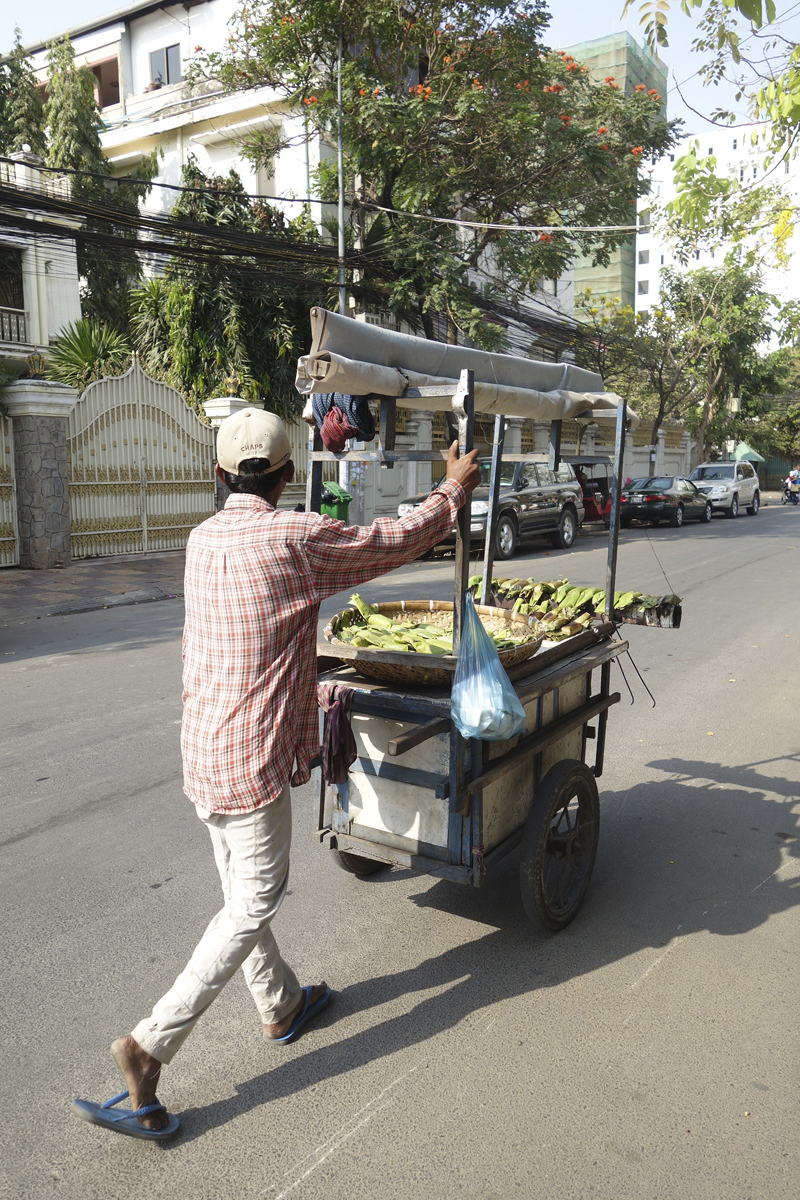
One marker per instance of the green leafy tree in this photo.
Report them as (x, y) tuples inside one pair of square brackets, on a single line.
[(719, 19), (86, 351), (689, 353), (454, 111), (73, 143), (735, 43), (212, 316), (73, 116), (771, 421), (778, 430), (727, 316), (21, 117), (767, 73), (645, 355), (717, 212)]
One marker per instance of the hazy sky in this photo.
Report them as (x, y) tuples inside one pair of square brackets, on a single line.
[(572, 21)]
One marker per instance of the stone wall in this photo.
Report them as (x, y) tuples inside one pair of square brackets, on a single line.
[(40, 459)]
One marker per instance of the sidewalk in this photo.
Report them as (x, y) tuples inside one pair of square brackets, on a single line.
[(89, 584)]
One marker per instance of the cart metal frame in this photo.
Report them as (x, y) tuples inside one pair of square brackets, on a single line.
[(471, 770)]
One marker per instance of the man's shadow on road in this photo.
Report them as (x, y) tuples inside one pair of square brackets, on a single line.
[(637, 901)]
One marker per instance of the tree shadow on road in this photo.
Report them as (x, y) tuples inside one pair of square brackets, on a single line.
[(676, 854), (132, 627)]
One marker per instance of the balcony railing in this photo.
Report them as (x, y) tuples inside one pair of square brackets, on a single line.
[(13, 326), (24, 174)]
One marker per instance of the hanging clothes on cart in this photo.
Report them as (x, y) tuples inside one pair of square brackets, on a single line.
[(340, 417), (338, 743)]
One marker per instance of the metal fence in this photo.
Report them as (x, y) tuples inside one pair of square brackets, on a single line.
[(141, 467), (772, 473)]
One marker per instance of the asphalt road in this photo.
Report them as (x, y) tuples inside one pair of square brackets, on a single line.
[(649, 1051)]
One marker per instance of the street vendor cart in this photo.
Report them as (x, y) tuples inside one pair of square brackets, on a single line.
[(419, 795)]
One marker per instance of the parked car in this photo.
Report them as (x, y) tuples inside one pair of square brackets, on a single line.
[(663, 498), (595, 475), (533, 500), (729, 486)]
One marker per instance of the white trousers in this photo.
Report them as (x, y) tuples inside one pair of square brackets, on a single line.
[(252, 855)]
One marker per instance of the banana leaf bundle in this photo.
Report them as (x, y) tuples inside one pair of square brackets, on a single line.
[(563, 609)]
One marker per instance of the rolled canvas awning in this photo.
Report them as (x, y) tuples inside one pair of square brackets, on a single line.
[(358, 359)]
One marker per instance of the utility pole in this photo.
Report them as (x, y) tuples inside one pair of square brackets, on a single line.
[(344, 467), (342, 283)]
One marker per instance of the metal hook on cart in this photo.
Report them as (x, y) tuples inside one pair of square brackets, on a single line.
[(625, 677), (636, 669)]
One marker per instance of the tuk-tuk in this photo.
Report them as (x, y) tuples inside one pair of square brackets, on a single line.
[(594, 473)]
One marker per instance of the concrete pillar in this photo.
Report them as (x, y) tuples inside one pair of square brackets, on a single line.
[(39, 411), (34, 268), (513, 439), (420, 427), (687, 447), (660, 459), (412, 468), (541, 438), (216, 410), (220, 407), (588, 445)]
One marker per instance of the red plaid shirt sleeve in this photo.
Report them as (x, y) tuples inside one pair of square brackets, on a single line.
[(342, 556), (255, 577)]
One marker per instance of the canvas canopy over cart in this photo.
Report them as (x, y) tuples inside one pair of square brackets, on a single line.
[(419, 795)]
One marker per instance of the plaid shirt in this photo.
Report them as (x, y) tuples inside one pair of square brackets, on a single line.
[(255, 576)]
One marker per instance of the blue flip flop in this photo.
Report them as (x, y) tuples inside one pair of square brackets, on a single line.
[(122, 1120), (306, 1013)]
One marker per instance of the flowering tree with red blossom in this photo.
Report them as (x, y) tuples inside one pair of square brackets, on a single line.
[(457, 111)]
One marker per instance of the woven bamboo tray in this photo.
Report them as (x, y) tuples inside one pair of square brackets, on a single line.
[(391, 666)]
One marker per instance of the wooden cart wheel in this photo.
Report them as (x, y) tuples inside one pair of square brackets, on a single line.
[(560, 844), (355, 864)]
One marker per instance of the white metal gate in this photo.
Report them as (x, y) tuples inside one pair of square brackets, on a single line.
[(9, 542), (141, 467)]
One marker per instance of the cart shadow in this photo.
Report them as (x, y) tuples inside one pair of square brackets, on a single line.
[(728, 829), (673, 856)]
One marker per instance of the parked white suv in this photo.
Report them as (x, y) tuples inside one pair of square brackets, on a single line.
[(730, 486)]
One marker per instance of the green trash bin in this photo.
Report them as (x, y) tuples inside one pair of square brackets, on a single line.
[(335, 501)]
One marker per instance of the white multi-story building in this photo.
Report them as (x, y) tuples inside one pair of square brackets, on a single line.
[(740, 154), (139, 57), (39, 285)]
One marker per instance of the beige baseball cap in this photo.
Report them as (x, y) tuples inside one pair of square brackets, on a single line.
[(252, 433)]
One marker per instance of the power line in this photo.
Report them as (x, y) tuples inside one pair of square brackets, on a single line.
[(262, 270), (506, 227), (133, 181), (59, 172)]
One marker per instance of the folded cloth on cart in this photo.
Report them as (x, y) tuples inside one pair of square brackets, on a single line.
[(355, 410), (351, 357), (338, 743), (336, 430)]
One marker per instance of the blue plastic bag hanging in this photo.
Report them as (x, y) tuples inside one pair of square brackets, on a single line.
[(483, 701)]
